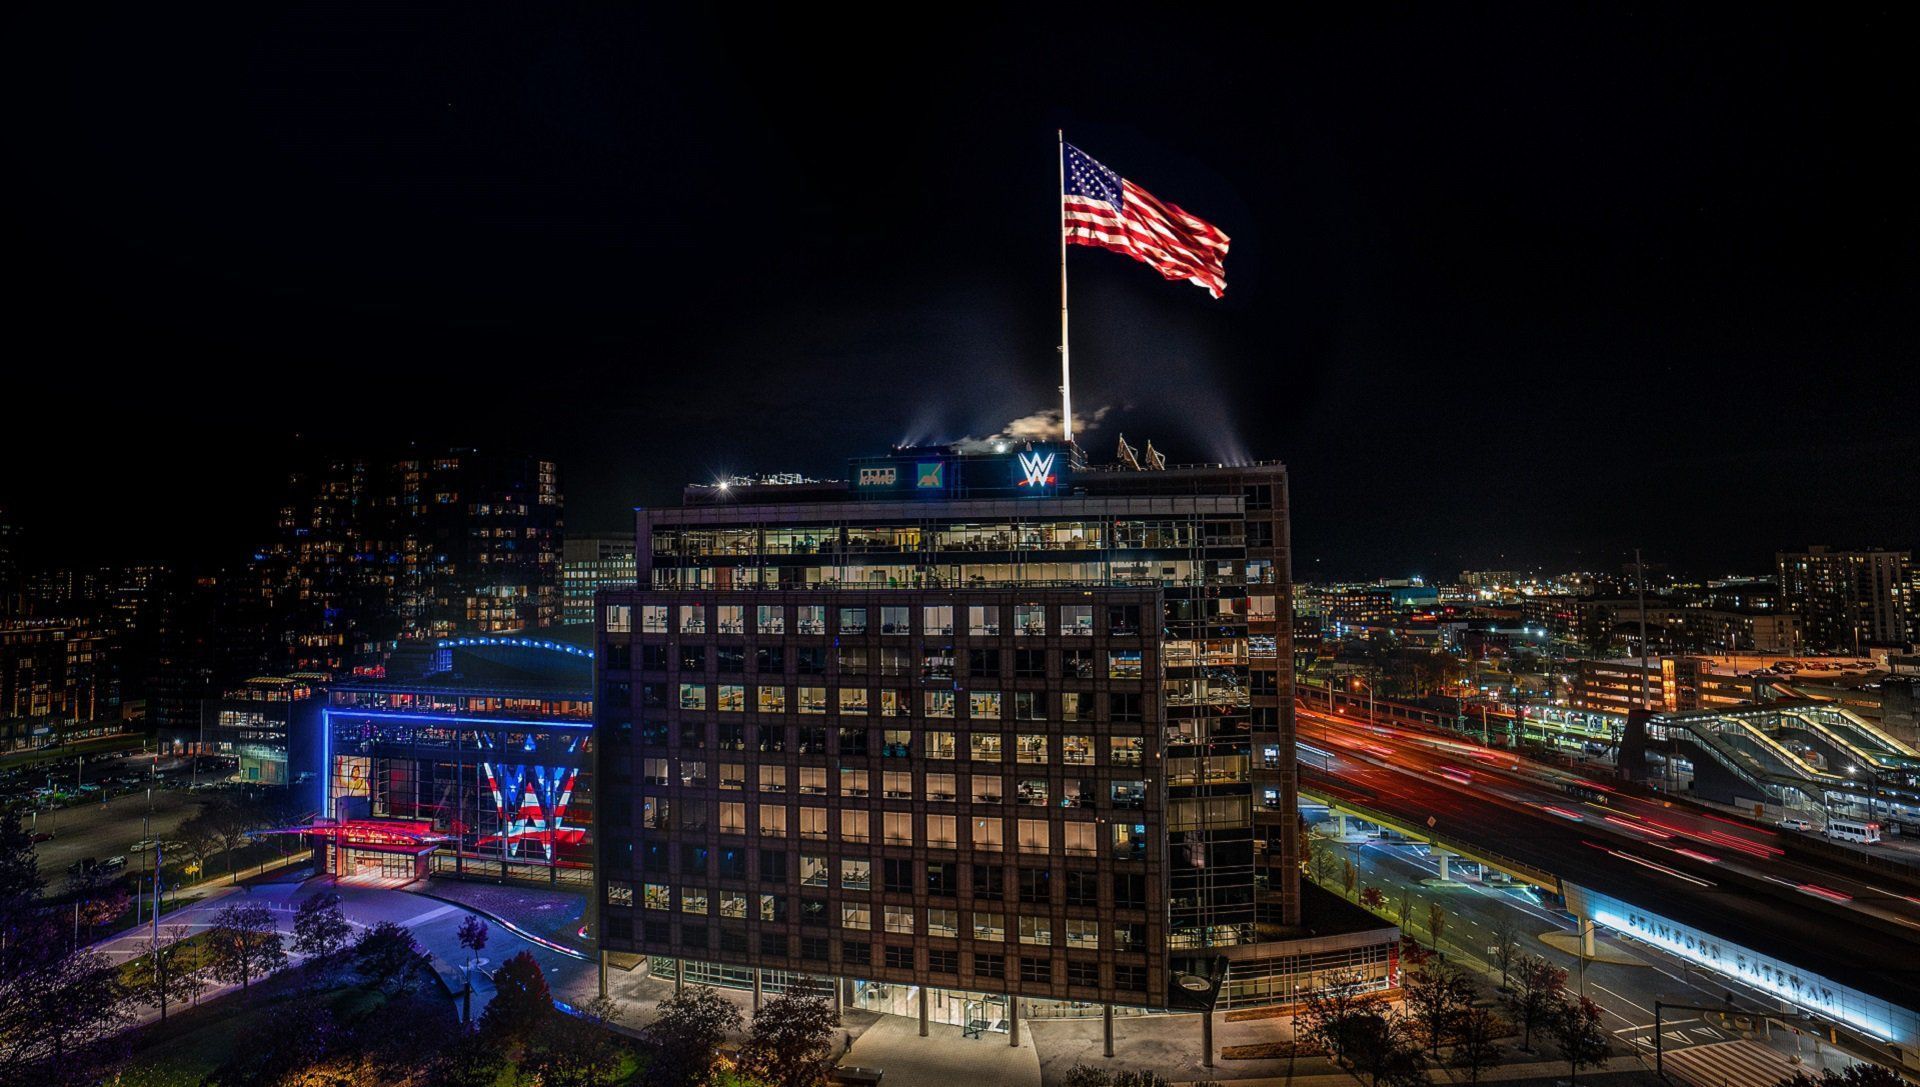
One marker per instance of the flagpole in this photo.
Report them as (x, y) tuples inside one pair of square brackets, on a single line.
[(1066, 372)]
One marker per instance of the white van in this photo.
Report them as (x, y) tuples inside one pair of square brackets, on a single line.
[(1847, 830), (1795, 823)]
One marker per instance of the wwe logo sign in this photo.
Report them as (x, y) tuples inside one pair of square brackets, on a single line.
[(1038, 469)]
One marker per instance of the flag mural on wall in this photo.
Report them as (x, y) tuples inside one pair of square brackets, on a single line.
[(1100, 208)]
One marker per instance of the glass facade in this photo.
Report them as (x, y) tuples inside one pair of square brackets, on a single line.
[(1025, 728), (507, 777)]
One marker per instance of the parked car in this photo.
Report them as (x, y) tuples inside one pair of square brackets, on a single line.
[(1795, 823)]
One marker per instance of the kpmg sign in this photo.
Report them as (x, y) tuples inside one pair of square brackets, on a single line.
[(1035, 470)]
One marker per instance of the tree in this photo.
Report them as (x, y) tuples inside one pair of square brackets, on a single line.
[(320, 928), (1373, 898), (473, 937), (790, 1042), (1328, 1017), (20, 882), (570, 1051), (1575, 1026), (1476, 1042), (167, 972), (244, 944), (1506, 946), (1436, 922), (691, 1025), (386, 953), (1438, 993), (1539, 988), (1349, 875), (521, 1004), (102, 906), (56, 1003), (225, 822), (1382, 1046)]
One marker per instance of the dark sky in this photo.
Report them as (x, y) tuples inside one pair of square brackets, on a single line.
[(1507, 286)]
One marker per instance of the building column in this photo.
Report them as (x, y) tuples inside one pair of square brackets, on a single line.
[(603, 974), (1586, 937), (1013, 1020), (1443, 857), (1206, 1038), (1106, 1029), (756, 990), (835, 982), (923, 1011), (679, 975)]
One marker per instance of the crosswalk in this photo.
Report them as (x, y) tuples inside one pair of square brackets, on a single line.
[(1739, 1063)]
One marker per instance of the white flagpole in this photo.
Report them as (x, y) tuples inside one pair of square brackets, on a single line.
[(1066, 372)]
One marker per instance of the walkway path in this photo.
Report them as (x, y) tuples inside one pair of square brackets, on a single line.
[(944, 1057)]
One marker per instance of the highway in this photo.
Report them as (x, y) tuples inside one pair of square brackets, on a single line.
[(1733, 879)]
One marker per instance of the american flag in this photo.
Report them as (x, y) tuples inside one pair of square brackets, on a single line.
[(1101, 208)]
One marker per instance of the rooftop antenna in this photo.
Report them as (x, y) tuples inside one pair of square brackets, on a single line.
[(1128, 455), (1156, 461)]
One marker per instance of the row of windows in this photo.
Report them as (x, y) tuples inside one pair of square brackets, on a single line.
[(1076, 749), (933, 662), (994, 927), (935, 786), (1059, 706), (898, 875), (1070, 620), (1123, 841), (987, 966)]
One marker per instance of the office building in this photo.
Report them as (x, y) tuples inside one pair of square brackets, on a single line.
[(1848, 601), (993, 725), (251, 726), (589, 564)]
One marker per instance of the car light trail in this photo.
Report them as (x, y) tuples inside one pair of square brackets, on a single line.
[(1661, 868), (1827, 893), (1564, 813)]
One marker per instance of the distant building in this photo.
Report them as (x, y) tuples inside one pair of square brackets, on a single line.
[(58, 669), (1848, 601), (1677, 627), (10, 602), (589, 564), (254, 722), (371, 552)]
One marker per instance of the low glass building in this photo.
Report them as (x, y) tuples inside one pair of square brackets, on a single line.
[(480, 765)]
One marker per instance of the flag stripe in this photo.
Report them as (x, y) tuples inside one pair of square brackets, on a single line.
[(1102, 209)]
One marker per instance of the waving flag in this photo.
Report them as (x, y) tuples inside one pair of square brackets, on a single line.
[(1099, 207)]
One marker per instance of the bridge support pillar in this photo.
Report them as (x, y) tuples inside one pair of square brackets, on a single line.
[(1443, 857), (1340, 827)]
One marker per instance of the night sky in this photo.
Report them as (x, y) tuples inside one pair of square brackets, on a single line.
[(1506, 287)]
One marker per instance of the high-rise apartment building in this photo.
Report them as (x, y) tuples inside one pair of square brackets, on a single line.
[(589, 564), (372, 552), (998, 726), (1848, 600)]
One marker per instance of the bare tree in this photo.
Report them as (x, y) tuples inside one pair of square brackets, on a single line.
[(1506, 946), (244, 944), (1436, 923), (1539, 989), (168, 972), (1438, 994), (1576, 1028), (1328, 1017), (1476, 1042)]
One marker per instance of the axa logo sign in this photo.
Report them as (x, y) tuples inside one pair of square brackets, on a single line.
[(1037, 468)]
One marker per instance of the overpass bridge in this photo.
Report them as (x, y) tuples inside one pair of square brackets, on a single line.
[(1796, 754)]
